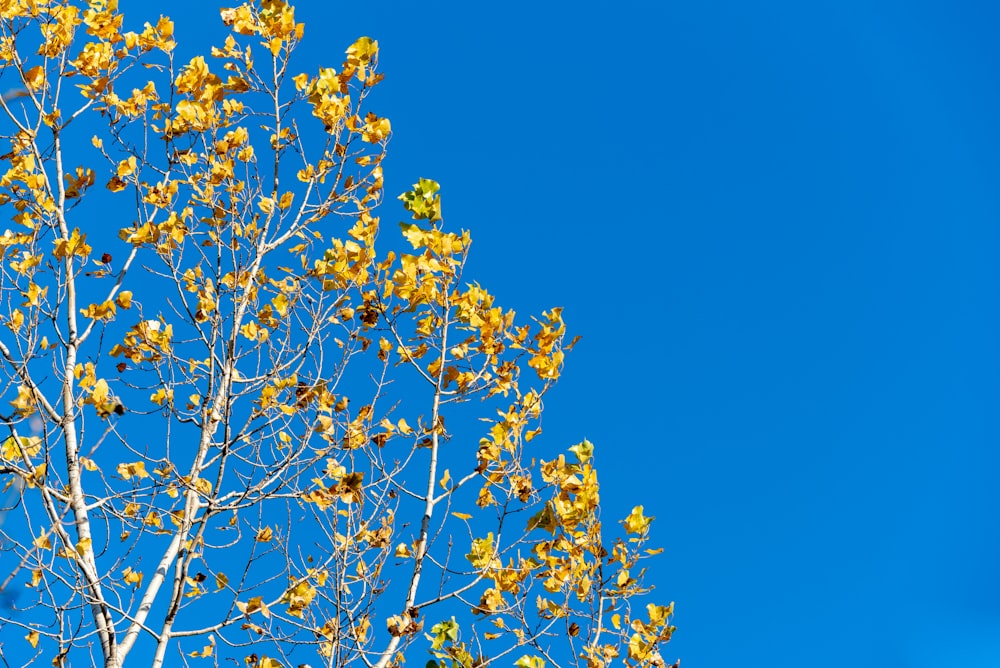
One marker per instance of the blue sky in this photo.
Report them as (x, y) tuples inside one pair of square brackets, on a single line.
[(776, 228)]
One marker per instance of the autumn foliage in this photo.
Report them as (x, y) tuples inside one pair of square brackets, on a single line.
[(240, 434)]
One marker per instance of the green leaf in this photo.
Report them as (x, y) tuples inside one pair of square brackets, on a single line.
[(527, 661), (443, 631), (583, 451), (423, 201)]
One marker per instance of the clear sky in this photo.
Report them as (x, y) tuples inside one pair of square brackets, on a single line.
[(777, 227)]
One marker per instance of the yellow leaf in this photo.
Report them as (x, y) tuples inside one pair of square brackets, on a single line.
[(124, 299), (127, 471), (204, 653), (126, 167), (43, 542), (35, 77), (76, 244), (264, 535), (162, 396), (34, 295), (12, 450), (636, 522), (32, 638), (253, 605), (250, 331), (221, 581), (463, 516), (16, 321), (445, 479), (103, 311), (132, 577), (83, 546), (203, 486)]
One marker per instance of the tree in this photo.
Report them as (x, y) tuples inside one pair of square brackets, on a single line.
[(237, 431)]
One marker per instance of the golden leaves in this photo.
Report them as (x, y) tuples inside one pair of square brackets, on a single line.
[(104, 311), (362, 57), (643, 644), (636, 522), (241, 19), (327, 94), (254, 332), (162, 396), (78, 182), (491, 601), (206, 651), (25, 402), (20, 448), (547, 355), (159, 36), (124, 299), (93, 61), (375, 129), (402, 625), (207, 224), (34, 295), (136, 104), (132, 470), (255, 604), (299, 597), (197, 80), (126, 167), (274, 21), (43, 542), (147, 341), (103, 21), (83, 546), (74, 246), (34, 78), (57, 34), (161, 195)]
